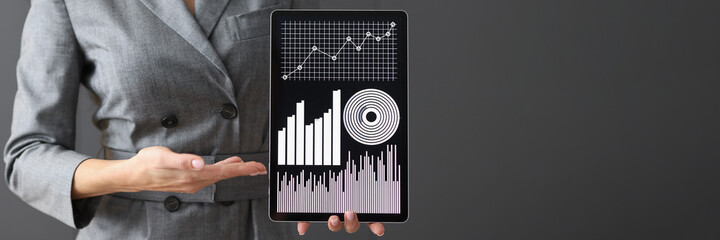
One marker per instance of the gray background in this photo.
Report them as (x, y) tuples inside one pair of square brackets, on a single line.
[(530, 120)]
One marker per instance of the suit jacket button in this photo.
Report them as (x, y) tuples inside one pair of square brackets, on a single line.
[(169, 121), (228, 111), (172, 203), (226, 203)]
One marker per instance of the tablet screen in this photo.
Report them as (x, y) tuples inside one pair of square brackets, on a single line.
[(339, 115)]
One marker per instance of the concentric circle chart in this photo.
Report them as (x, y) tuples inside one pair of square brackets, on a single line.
[(371, 116)]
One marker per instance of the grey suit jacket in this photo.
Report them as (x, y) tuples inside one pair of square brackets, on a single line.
[(160, 77)]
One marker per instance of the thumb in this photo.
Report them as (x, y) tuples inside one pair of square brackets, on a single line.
[(182, 161)]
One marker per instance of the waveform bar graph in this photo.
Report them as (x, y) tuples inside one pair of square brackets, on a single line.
[(339, 51), (367, 184), (317, 143)]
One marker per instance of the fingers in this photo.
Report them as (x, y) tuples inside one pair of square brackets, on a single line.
[(302, 227), (377, 228), (233, 159), (231, 170), (334, 223), (246, 169), (351, 222)]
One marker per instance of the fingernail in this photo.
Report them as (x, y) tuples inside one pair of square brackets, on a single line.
[(301, 233), (381, 234), (334, 221), (258, 173), (197, 163), (349, 216)]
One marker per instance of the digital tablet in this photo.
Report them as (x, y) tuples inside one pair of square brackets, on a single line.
[(338, 115)]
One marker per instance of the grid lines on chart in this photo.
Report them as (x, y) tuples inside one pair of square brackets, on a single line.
[(339, 51)]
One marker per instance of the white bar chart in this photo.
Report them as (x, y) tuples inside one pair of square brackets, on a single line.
[(317, 143), (367, 184)]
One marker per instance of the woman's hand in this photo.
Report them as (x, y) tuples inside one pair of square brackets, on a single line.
[(156, 169), (351, 224), (160, 169)]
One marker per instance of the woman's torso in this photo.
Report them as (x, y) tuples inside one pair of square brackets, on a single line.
[(194, 84), (149, 60)]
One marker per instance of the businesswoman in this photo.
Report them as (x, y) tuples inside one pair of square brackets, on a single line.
[(182, 102)]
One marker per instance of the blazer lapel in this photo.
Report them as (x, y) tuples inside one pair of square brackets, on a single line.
[(208, 13), (176, 15)]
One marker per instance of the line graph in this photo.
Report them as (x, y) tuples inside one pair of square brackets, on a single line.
[(318, 51)]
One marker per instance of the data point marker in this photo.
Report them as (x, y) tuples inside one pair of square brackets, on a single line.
[(387, 34), (348, 38), (358, 48), (333, 58), (368, 34), (314, 48), (392, 24), (284, 77), (299, 67), (377, 39)]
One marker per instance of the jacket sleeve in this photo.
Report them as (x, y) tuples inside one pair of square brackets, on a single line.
[(39, 156)]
